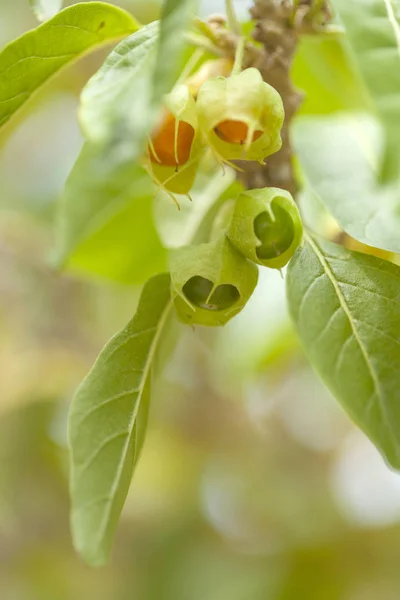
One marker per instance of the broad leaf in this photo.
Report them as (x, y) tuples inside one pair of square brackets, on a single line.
[(373, 28), (346, 307), (323, 70), (45, 9), (340, 158), (118, 107), (106, 223), (116, 101), (107, 423), (29, 61), (120, 103)]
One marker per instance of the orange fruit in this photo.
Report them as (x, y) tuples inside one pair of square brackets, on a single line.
[(234, 132), (164, 143)]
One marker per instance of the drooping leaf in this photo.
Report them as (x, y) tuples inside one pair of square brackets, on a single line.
[(29, 61), (107, 423), (373, 28), (120, 103), (45, 9), (346, 308), (106, 223), (340, 158)]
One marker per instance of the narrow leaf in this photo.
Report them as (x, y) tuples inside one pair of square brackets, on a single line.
[(346, 307), (32, 59), (373, 28), (175, 17), (106, 223), (45, 9), (107, 424), (340, 159)]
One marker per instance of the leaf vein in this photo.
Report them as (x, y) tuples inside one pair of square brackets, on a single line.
[(129, 338), (340, 356), (357, 337), (307, 292), (109, 400), (327, 324), (36, 57), (366, 290), (379, 331), (104, 443), (365, 266), (131, 428), (394, 22), (92, 502)]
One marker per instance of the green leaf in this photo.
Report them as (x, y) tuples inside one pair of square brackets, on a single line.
[(175, 18), (107, 423), (120, 103), (45, 9), (346, 307), (373, 29), (323, 70), (118, 106), (340, 158), (115, 102), (106, 223), (32, 59)]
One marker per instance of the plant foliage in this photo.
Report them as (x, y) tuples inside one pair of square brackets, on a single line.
[(176, 104)]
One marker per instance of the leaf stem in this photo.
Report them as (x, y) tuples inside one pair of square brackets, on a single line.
[(200, 41), (233, 22), (191, 65), (238, 64)]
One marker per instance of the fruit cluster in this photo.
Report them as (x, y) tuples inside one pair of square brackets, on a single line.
[(212, 282), (239, 118)]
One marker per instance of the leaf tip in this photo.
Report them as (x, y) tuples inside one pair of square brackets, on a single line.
[(94, 552)]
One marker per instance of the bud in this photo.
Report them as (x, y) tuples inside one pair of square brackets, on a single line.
[(266, 226), (211, 282), (241, 116), (174, 149)]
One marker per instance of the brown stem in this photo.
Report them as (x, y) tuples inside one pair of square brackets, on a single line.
[(278, 26)]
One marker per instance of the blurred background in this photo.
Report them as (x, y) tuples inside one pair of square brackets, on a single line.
[(253, 484)]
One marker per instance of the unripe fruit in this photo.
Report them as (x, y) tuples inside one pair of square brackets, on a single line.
[(174, 149), (241, 116), (235, 132), (211, 282), (266, 226), (163, 150)]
